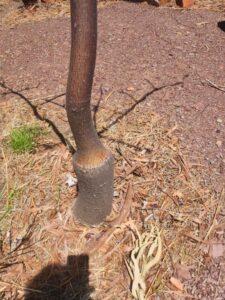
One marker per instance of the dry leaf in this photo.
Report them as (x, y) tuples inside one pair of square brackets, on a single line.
[(197, 220), (176, 283)]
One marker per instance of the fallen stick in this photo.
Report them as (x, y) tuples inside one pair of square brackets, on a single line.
[(210, 83)]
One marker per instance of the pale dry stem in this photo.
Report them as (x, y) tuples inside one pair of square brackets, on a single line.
[(146, 254)]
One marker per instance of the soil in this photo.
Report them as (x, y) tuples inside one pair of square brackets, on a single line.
[(140, 47)]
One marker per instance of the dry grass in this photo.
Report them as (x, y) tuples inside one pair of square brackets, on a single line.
[(21, 15), (59, 8), (51, 9), (154, 181)]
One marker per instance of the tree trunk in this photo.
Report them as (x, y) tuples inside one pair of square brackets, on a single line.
[(93, 164)]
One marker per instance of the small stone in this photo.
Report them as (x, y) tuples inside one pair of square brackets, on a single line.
[(219, 120), (71, 181), (130, 89)]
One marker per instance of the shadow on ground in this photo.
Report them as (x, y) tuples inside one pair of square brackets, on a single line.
[(221, 25), (60, 282)]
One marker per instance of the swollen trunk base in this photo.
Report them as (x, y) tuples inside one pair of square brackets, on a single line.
[(95, 197)]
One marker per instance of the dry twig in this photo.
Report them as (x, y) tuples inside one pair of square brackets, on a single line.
[(212, 84)]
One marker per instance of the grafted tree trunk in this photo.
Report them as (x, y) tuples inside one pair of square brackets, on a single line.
[(93, 164)]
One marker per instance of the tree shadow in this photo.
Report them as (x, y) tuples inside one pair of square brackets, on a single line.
[(39, 116), (137, 102), (221, 25), (62, 282)]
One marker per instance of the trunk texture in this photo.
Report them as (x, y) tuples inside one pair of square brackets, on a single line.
[(93, 164)]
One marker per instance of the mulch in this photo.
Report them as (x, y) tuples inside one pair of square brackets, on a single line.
[(138, 46), (179, 53)]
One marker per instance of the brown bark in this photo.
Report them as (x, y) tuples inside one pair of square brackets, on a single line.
[(93, 164)]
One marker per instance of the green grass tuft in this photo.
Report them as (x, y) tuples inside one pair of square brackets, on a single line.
[(24, 139)]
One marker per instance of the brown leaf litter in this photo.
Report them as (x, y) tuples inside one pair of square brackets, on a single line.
[(155, 185)]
